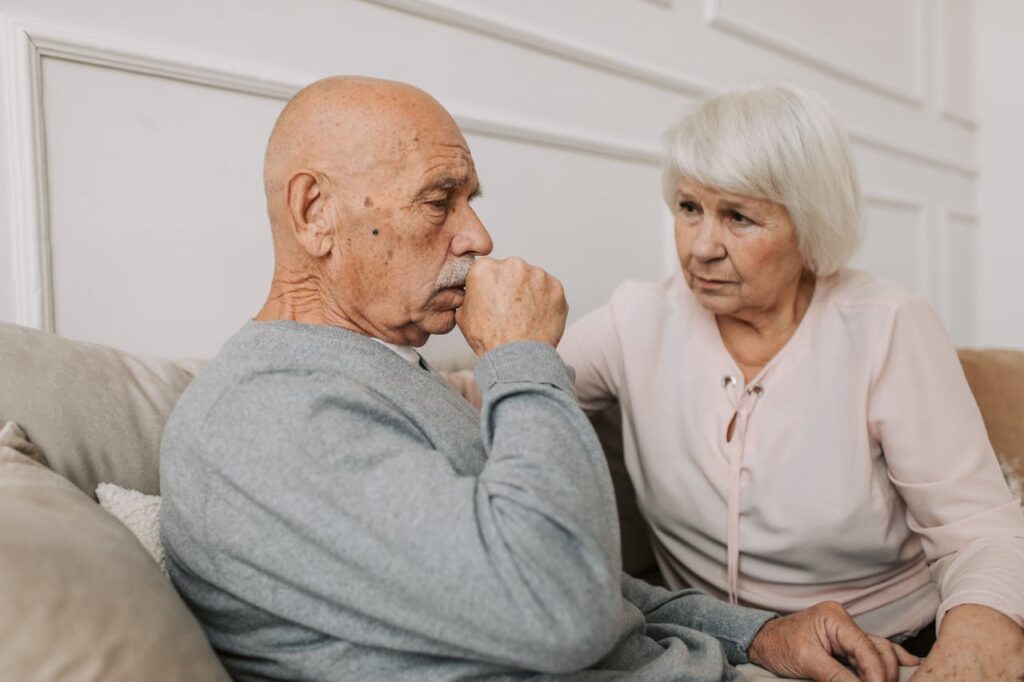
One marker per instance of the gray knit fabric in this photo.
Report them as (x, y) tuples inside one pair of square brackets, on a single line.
[(334, 512)]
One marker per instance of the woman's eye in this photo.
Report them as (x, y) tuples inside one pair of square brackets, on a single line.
[(440, 203), (688, 207), (739, 218)]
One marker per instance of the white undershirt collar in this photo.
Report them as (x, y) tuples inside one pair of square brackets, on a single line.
[(405, 352)]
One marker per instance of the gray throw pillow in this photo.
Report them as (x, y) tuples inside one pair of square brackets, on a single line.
[(96, 413)]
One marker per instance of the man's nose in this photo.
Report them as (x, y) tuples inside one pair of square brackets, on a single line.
[(707, 243), (472, 237)]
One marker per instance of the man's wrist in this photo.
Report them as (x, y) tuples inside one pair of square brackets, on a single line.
[(523, 361), (754, 653)]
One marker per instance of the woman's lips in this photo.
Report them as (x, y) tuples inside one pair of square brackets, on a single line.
[(711, 283)]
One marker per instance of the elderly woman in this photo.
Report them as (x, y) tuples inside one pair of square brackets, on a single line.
[(796, 431)]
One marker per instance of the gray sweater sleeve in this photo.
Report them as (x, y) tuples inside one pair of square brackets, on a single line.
[(518, 567), (734, 626)]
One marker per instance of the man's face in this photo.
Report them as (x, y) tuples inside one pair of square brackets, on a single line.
[(408, 236)]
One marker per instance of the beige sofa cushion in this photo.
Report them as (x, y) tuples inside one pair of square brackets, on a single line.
[(95, 412), (82, 600), (997, 381)]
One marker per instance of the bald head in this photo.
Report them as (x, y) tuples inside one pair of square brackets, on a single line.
[(341, 127), (368, 186)]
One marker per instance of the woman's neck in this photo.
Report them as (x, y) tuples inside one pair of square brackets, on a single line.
[(754, 337)]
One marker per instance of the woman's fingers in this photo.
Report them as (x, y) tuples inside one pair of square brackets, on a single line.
[(904, 656), (889, 659)]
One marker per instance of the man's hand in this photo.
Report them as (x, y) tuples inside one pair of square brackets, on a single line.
[(975, 644), (510, 300), (805, 644)]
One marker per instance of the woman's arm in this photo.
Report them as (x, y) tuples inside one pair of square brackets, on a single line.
[(940, 460), (592, 348)]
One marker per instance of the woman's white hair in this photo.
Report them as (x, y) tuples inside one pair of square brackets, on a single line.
[(780, 143)]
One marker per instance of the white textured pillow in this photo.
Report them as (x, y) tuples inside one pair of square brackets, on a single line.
[(1013, 480), (141, 513)]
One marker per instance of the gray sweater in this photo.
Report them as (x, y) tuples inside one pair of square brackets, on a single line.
[(334, 512)]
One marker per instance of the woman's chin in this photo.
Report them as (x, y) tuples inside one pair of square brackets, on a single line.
[(717, 302)]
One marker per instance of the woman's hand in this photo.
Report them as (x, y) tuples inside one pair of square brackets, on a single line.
[(976, 644), (806, 645)]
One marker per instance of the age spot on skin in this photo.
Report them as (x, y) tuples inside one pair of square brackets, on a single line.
[(367, 202)]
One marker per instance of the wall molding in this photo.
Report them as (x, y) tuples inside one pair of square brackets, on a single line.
[(922, 235), (968, 217), (26, 159), (940, 58), (718, 19), (529, 37), (946, 217), (520, 34), (25, 44), (490, 124), (891, 148)]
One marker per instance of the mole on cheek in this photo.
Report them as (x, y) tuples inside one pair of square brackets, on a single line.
[(367, 202), (375, 232)]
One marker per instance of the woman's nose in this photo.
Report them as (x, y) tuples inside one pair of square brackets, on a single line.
[(707, 243)]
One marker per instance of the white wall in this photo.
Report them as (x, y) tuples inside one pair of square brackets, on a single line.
[(999, 29), (134, 132)]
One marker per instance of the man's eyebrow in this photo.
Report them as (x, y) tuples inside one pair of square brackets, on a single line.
[(445, 182)]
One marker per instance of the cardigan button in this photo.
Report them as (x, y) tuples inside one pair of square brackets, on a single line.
[(728, 380), (756, 389)]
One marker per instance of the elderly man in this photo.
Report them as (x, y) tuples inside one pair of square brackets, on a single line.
[(333, 510)]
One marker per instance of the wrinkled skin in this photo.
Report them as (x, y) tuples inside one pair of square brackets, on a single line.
[(368, 188), (806, 644), (975, 644)]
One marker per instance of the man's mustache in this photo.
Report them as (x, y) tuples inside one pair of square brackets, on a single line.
[(454, 273)]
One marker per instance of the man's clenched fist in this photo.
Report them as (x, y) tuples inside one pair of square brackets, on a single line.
[(510, 300)]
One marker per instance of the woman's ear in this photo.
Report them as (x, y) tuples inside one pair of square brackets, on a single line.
[(309, 220)]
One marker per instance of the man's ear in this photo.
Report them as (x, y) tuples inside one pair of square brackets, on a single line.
[(306, 211)]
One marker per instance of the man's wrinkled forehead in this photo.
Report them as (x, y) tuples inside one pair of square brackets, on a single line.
[(426, 143)]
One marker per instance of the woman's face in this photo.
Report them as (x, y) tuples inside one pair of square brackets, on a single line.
[(739, 254)]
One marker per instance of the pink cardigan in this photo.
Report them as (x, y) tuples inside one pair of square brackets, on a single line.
[(859, 469)]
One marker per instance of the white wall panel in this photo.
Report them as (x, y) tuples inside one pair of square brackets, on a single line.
[(832, 36), (564, 104), (1000, 235), (959, 279), (892, 242), (159, 237), (955, 60), (590, 221)]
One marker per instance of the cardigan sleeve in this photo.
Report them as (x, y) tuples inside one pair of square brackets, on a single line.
[(591, 347), (939, 458), (733, 626)]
